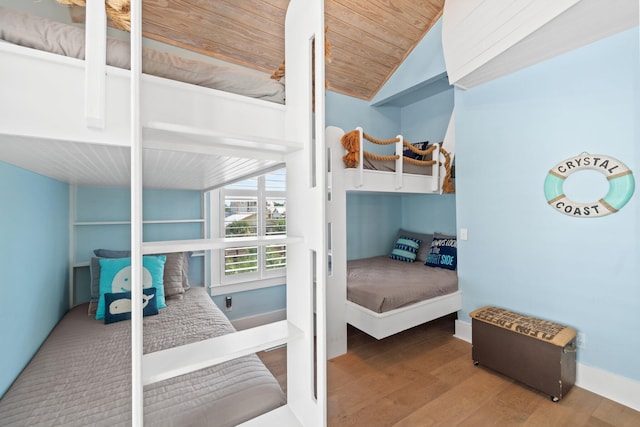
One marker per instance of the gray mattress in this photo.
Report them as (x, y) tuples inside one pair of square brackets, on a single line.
[(62, 39), (81, 374), (382, 284), (390, 166)]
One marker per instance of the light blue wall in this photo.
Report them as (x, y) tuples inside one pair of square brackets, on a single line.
[(427, 120), (429, 213), (113, 204), (522, 254), (348, 113), (34, 253), (251, 303), (372, 223), (423, 65)]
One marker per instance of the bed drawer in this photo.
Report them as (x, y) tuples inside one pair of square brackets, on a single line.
[(538, 353)]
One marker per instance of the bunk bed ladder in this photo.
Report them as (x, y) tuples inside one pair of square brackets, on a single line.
[(306, 181), (302, 332), (137, 397), (95, 64)]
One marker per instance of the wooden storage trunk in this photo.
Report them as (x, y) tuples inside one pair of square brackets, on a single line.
[(536, 352)]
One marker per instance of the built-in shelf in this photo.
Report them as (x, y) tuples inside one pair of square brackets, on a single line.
[(169, 363), (89, 223), (153, 221), (169, 246)]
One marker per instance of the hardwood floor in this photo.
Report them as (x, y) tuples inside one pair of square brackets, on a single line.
[(425, 377)]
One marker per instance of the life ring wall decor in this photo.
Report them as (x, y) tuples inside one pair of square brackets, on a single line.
[(621, 185)]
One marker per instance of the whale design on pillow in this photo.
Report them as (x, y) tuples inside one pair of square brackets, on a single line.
[(123, 305), (118, 305)]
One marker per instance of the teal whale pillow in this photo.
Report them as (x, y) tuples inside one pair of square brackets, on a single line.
[(115, 276)]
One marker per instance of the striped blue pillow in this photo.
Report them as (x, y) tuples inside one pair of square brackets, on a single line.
[(405, 249)]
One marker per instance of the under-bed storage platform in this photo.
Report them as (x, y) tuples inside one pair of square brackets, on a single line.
[(536, 352)]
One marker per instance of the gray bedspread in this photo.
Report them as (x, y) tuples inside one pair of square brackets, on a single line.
[(81, 374), (62, 39), (382, 284)]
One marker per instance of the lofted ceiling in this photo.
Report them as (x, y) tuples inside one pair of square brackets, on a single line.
[(369, 38)]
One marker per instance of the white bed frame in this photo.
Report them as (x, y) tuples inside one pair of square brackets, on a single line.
[(85, 123), (342, 180), (44, 108), (382, 325), (361, 179)]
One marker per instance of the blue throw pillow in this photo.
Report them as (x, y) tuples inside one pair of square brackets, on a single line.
[(118, 305), (420, 146), (444, 253), (405, 249), (115, 277)]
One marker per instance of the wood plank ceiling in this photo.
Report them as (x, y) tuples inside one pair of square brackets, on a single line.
[(369, 38)]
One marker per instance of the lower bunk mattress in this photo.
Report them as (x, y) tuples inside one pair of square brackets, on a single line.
[(382, 284), (81, 375)]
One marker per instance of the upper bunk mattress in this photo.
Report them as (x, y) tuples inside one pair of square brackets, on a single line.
[(382, 284), (62, 39), (390, 166), (82, 374)]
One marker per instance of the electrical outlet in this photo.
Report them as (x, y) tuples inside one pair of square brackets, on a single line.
[(228, 304), (464, 234), (581, 340)]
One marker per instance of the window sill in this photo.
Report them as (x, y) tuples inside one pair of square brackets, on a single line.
[(215, 290)]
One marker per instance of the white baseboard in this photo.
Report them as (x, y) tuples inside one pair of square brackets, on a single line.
[(606, 384), (259, 319), (463, 331), (612, 386)]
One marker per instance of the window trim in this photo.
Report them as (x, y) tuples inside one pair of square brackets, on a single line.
[(219, 283)]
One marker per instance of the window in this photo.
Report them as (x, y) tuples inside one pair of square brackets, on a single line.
[(251, 208)]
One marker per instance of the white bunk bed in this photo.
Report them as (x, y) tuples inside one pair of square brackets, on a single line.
[(428, 181), (360, 178), (82, 122), (342, 180), (382, 325)]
